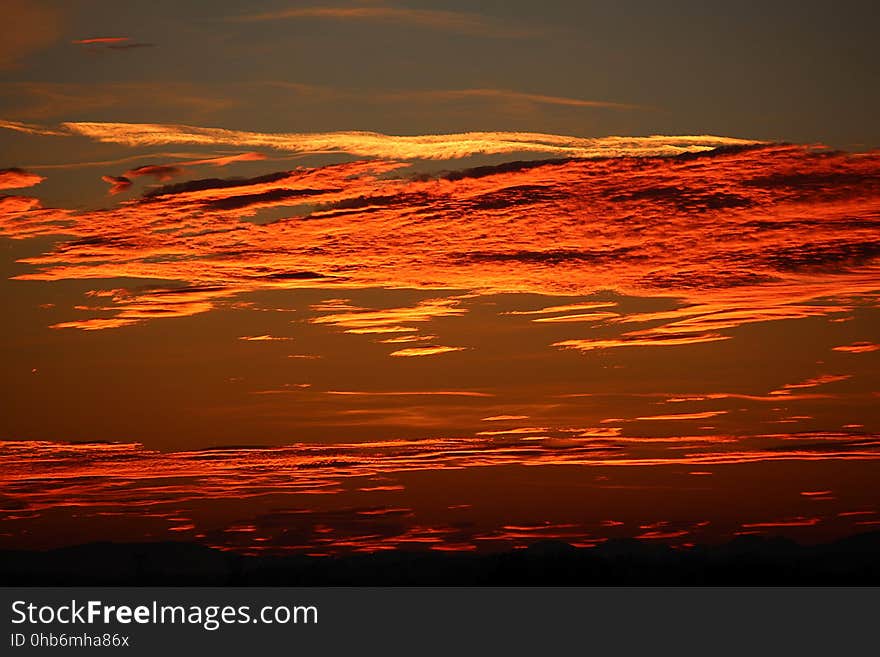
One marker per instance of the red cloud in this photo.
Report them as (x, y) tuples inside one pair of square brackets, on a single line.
[(45, 478), (858, 348), (741, 235), (100, 40), (18, 178), (117, 183)]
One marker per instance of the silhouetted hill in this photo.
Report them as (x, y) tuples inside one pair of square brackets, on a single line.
[(746, 560)]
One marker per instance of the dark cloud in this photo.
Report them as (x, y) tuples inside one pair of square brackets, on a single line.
[(214, 183), (831, 256), (274, 197), (685, 199)]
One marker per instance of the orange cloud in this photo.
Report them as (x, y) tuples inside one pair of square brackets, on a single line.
[(562, 309), (683, 416), (117, 184), (94, 324), (425, 351), (516, 431), (408, 338), (810, 383), (406, 393), (390, 320), (590, 344), (744, 235), (22, 217), (857, 348), (578, 317), (18, 178), (31, 129), (372, 144), (696, 323), (44, 478), (100, 40)]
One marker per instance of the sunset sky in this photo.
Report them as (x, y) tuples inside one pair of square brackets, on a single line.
[(447, 275)]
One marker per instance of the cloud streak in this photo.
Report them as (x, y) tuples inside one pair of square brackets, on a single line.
[(425, 351), (858, 348), (111, 43), (504, 96), (31, 129), (448, 21), (162, 492), (390, 320), (372, 144), (99, 40)]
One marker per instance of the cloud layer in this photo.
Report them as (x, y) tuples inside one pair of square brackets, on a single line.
[(353, 497), (741, 235)]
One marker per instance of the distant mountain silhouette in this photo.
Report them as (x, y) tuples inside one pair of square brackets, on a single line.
[(745, 560)]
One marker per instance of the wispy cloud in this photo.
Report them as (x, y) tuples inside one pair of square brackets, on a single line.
[(814, 382), (373, 144), (567, 308), (576, 317), (100, 40), (111, 43), (32, 129), (447, 21), (40, 101), (644, 341), (425, 351), (409, 393), (858, 347), (390, 320), (504, 96), (697, 323), (681, 416)]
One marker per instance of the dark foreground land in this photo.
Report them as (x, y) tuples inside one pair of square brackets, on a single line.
[(743, 561)]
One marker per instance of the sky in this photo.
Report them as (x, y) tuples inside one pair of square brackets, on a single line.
[(453, 276)]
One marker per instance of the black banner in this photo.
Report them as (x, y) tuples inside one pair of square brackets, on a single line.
[(457, 621)]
